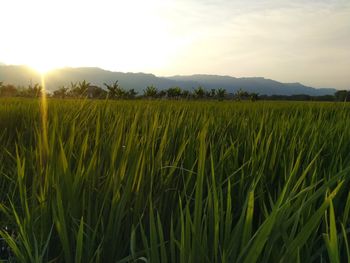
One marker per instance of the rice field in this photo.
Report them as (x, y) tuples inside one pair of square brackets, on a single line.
[(174, 181)]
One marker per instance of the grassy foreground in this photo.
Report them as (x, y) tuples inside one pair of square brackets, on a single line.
[(160, 181)]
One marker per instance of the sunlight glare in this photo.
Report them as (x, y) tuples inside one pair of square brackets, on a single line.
[(43, 108), (41, 67)]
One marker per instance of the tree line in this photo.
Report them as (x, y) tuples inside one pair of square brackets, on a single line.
[(114, 90)]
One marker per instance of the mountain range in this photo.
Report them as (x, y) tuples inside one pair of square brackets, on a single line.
[(23, 75)]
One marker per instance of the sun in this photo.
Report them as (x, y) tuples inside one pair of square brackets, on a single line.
[(42, 67)]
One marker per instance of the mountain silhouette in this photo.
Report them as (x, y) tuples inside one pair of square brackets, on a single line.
[(23, 76)]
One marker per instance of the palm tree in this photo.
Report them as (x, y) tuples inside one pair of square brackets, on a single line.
[(114, 90), (186, 94), (174, 92), (254, 96), (120, 93), (221, 94), (79, 89), (150, 92), (199, 92), (61, 92), (240, 94), (131, 94), (73, 90), (83, 88), (34, 91), (211, 93)]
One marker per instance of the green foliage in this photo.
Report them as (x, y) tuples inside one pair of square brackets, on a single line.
[(61, 92), (162, 181), (150, 92), (199, 92), (254, 96), (211, 93), (33, 91), (174, 93), (79, 90), (342, 95), (8, 90), (131, 94), (220, 93), (115, 91), (241, 94)]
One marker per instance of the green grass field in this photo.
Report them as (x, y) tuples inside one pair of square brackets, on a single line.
[(174, 181)]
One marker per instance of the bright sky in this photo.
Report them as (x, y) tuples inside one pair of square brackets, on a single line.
[(304, 41)]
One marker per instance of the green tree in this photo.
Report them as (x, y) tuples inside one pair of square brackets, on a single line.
[(131, 94), (174, 92), (150, 92), (33, 91), (241, 94), (61, 92), (73, 90), (97, 92), (161, 94), (210, 94), (220, 94), (8, 90), (115, 91), (83, 88), (342, 95), (254, 96), (186, 94), (199, 92)]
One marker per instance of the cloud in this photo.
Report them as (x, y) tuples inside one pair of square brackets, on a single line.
[(286, 41)]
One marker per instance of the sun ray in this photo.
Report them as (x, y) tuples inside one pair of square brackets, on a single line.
[(44, 123)]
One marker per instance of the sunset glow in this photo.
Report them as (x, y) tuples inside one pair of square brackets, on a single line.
[(306, 41)]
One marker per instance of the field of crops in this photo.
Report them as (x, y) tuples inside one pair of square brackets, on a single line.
[(174, 181)]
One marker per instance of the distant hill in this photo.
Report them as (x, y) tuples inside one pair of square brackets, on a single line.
[(22, 75), (259, 85)]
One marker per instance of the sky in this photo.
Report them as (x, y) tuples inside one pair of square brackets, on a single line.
[(305, 41)]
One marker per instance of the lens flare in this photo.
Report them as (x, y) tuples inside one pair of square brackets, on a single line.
[(42, 67), (44, 122)]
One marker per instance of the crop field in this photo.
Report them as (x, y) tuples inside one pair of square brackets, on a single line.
[(174, 181)]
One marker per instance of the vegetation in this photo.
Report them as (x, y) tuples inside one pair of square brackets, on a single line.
[(160, 181), (115, 91), (342, 95)]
